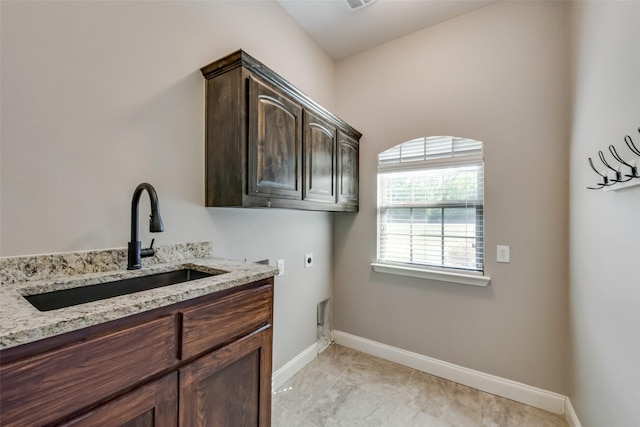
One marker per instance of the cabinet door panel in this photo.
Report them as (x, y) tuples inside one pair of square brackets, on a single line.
[(230, 387), (275, 124), (348, 170), (49, 386), (320, 159), (152, 405)]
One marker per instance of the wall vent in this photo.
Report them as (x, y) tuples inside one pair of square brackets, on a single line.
[(357, 4)]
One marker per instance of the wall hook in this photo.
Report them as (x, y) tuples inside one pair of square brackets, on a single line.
[(623, 177), (604, 162), (634, 169), (631, 145), (605, 178)]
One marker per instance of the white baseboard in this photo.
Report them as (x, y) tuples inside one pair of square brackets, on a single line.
[(532, 396), (293, 366), (571, 416)]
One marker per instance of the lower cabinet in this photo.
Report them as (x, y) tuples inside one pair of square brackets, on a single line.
[(152, 405), (199, 363), (229, 387), (221, 389)]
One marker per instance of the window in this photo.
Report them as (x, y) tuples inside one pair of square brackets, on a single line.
[(431, 207)]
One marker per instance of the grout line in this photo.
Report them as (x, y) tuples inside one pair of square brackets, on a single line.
[(352, 362), (413, 372), (349, 367)]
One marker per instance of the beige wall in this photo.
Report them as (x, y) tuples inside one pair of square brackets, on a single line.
[(605, 227), (498, 75), (100, 96)]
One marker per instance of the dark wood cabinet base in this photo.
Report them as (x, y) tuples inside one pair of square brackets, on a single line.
[(204, 362), (221, 389)]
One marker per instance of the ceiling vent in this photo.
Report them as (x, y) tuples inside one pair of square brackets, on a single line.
[(358, 4)]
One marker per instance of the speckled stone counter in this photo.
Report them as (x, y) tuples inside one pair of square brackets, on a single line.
[(21, 323)]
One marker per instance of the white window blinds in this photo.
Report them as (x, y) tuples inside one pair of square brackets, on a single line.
[(430, 203)]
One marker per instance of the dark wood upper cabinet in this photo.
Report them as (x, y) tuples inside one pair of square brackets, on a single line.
[(348, 170), (275, 127), (320, 159), (269, 145)]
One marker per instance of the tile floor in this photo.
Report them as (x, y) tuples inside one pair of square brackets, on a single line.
[(347, 388)]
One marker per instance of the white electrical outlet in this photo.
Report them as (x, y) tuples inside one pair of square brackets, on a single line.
[(280, 267), (308, 260), (503, 253)]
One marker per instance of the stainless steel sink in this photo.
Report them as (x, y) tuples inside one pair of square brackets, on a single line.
[(83, 294)]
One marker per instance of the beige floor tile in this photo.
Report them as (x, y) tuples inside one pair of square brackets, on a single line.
[(379, 376), (346, 388), (301, 392), (500, 412), (347, 405), (281, 417), (335, 359), (445, 400)]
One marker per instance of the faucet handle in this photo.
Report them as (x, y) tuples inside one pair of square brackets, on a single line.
[(148, 251)]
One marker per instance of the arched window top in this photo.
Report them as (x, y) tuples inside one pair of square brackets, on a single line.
[(431, 209), (432, 149)]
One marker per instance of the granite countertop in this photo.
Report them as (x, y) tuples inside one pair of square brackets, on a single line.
[(21, 323)]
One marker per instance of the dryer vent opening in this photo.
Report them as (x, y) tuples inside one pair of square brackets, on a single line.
[(357, 4), (323, 322)]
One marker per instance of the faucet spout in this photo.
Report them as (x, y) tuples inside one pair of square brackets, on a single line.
[(135, 252)]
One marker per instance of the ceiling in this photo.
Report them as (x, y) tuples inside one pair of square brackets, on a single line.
[(341, 31)]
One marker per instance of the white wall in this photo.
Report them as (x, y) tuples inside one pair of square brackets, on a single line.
[(499, 75), (100, 96), (605, 227)]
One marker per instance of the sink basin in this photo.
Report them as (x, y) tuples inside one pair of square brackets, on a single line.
[(80, 295)]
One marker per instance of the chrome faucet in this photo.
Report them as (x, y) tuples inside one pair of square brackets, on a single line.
[(135, 253)]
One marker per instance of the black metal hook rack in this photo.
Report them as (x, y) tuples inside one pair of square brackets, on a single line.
[(623, 173)]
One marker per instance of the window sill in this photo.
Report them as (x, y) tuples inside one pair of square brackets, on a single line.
[(425, 273)]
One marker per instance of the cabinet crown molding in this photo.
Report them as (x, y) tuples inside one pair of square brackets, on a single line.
[(240, 58)]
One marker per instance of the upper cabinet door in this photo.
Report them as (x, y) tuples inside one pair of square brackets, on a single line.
[(275, 135), (319, 159), (348, 170)]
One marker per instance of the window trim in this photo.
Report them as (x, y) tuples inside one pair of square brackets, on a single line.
[(441, 273), (433, 273)]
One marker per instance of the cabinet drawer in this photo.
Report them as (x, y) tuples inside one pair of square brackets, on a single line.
[(44, 388), (208, 326)]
